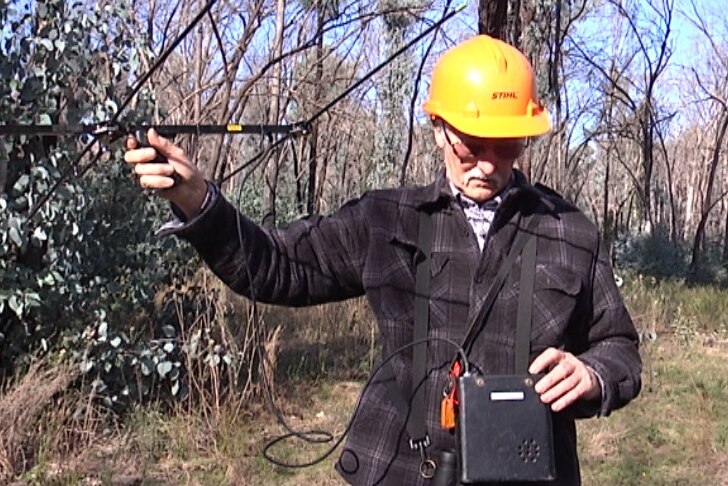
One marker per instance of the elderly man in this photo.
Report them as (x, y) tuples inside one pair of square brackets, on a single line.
[(483, 106)]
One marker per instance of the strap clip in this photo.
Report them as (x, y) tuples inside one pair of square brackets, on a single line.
[(427, 466), (420, 444)]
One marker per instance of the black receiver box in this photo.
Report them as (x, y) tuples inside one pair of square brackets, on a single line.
[(504, 431)]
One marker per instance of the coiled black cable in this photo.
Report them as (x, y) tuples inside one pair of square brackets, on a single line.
[(327, 435)]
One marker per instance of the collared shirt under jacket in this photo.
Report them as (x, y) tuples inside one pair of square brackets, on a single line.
[(369, 247)]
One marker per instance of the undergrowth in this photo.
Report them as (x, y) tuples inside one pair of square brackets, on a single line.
[(675, 432)]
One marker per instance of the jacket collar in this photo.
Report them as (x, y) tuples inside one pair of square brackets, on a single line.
[(519, 195), (436, 192), (523, 194)]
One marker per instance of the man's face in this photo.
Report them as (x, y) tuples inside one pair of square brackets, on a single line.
[(478, 167)]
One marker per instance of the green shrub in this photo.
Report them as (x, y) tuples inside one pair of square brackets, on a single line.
[(81, 274)]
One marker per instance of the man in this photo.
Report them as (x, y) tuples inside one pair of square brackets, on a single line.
[(483, 106)]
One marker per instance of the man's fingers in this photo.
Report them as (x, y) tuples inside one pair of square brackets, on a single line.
[(550, 357), (163, 169), (159, 147), (559, 373), (560, 386), (140, 156), (165, 146), (581, 387), (567, 381), (156, 182), (567, 399), (176, 178), (131, 142)]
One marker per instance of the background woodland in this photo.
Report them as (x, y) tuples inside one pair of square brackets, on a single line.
[(99, 316)]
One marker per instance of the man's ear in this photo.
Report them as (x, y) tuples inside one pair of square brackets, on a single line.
[(438, 129)]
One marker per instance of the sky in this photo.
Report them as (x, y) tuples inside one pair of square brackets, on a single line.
[(675, 90), (687, 44)]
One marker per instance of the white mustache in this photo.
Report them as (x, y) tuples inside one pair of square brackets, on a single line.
[(475, 173)]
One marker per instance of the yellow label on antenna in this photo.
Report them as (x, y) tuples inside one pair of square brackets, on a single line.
[(234, 127)]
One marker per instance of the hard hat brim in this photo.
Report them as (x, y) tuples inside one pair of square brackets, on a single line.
[(497, 126)]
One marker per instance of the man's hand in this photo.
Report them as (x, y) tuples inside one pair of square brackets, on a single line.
[(568, 379), (178, 181)]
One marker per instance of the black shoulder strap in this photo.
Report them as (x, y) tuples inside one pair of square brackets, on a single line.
[(414, 414), (519, 242), (416, 424), (525, 306)]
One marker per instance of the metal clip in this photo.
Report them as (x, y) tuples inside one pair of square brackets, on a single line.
[(300, 128), (420, 444), (427, 466), (106, 129)]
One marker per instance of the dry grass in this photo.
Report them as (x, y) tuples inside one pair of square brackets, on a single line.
[(676, 432), (22, 404)]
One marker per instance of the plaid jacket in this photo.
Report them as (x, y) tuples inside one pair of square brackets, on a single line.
[(369, 247)]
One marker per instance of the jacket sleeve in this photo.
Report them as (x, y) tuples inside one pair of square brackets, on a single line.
[(314, 260), (612, 340)]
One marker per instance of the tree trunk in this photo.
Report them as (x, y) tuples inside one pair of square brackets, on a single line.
[(4, 174), (297, 154), (313, 136), (493, 18), (273, 165), (607, 236), (647, 164), (197, 97), (708, 199), (725, 240)]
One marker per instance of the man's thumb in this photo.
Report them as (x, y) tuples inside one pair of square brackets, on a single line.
[(164, 145)]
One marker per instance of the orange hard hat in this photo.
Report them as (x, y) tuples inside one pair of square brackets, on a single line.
[(486, 88)]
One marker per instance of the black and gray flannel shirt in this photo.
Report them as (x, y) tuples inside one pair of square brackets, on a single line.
[(369, 248)]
